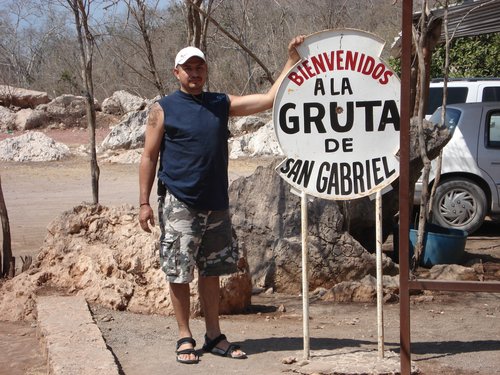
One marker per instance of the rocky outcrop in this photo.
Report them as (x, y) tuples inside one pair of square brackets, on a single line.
[(32, 146), (122, 157), (7, 119), (260, 143), (102, 254), (29, 119), (246, 124), (266, 218), (364, 290), (67, 111), (122, 102), (17, 97), (128, 134)]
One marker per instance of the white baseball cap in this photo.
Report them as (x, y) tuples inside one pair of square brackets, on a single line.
[(186, 53)]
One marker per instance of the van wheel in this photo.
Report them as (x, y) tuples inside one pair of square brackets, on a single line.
[(460, 204)]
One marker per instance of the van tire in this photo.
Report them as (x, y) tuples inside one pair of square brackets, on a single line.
[(459, 203)]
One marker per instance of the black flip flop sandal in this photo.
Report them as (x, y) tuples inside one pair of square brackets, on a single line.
[(210, 346), (180, 342)]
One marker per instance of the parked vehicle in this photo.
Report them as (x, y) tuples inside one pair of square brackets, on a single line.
[(462, 90), (469, 187)]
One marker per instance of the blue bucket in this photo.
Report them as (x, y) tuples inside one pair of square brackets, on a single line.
[(441, 245)]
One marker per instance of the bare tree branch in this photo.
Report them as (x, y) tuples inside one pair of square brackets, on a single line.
[(236, 40), (139, 14)]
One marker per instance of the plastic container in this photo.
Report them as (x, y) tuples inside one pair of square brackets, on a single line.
[(441, 245)]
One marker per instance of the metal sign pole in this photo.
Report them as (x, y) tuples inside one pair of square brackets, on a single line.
[(380, 285), (305, 273)]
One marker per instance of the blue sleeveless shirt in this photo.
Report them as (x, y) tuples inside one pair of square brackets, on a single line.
[(194, 152)]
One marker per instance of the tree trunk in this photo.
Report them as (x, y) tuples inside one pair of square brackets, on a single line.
[(86, 45), (445, 99), (194, 23), (94, 166), (430, 32), (420, 40), (7, 262)]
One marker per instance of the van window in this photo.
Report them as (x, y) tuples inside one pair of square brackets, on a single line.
[(455, 95), (491, 94), (451, 119), (494, 130)]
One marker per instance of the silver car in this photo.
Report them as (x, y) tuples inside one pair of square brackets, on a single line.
[(469, 187)]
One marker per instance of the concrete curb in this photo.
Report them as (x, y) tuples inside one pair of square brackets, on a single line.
[(71, 341)]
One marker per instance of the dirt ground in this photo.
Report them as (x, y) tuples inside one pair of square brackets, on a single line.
[(452, 333)]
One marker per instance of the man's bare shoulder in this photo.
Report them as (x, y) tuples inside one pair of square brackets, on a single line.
[(155, 116)]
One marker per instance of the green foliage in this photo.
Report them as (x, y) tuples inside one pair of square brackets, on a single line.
[(469, 57), (395, 64)]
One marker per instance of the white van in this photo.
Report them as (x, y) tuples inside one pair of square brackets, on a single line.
[(462, 90), (469, 188)]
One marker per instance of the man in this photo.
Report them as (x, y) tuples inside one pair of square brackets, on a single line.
[(188, 130)]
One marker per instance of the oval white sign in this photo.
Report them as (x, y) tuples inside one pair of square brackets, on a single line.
[(336, 117)]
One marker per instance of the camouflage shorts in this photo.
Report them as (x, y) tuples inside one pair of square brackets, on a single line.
[(192, 239)]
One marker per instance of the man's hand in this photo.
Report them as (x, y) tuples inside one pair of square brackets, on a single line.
[(146, 215), (293, 55)]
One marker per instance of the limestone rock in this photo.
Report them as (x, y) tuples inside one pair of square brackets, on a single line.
[(66, 105), (32, 146), (18, 97), (7, 119), (266, 219), (65, 111), (129, 133), (262, 142), (126, 157), (364, 290), (28, 119), (112, 106), (122, 102), (451, 272), (102, 254), (246, 124)]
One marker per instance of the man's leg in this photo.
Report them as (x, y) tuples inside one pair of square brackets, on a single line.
[(208, 287), (209, 297), (179, 295)]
